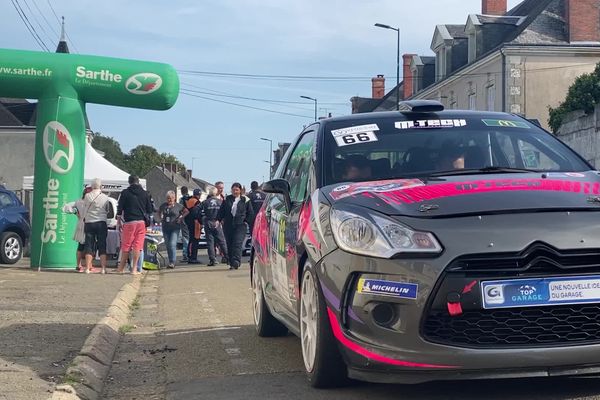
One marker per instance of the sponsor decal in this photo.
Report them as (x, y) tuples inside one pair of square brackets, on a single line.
[(505, 123), (401, 290), (58, 147), (354, 129), (540, 292), (50, 205), (104, 75), (143, 83), (419, 193), (343, 191), (431, 123)]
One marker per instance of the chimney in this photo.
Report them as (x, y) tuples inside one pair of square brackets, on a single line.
[(378, 87), (407, 75), (189, 174), (583, 20), (494, 7)]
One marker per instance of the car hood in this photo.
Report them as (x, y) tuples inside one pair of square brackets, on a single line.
[(472, 194)]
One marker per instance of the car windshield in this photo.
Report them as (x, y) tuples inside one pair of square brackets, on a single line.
[(391, 148)]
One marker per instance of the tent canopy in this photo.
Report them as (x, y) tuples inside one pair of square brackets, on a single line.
[(96, 166)]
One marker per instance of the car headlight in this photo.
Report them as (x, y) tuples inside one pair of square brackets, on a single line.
[(375, 235)]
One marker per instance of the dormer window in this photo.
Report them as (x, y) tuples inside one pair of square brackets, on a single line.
[(440, 64), (472, 46)]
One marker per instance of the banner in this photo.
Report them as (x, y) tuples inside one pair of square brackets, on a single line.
[(63, 83)]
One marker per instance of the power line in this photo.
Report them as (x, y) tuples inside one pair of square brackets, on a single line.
[(46, 19), (225, 94), (31, 25), (274, 77), (246, 106), (23, 17), (37, 20)]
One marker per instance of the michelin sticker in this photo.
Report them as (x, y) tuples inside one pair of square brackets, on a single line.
[(401, 290), (431, 123), (355, 135)]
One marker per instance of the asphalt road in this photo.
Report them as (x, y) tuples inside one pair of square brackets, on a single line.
[(194, 339)]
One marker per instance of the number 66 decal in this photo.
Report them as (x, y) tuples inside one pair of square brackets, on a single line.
[(355, 138)]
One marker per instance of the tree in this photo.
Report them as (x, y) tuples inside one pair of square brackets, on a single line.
[(583, 95), (142, 159), (171, 159), (111, 149)]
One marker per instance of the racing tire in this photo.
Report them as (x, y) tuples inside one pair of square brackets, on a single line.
[(11, 248), (323, 362), (266, 324)]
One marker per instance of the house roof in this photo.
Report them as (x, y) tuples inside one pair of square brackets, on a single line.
[(363, 104), (457, 31), (16, 112)]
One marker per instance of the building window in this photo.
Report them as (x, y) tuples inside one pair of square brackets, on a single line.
[(491, 98), (472, 47), (472, 101), (440, 67)]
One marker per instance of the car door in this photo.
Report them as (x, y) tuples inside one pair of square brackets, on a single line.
[(283, 227)]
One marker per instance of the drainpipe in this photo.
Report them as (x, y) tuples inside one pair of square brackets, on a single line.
[(503, 80)]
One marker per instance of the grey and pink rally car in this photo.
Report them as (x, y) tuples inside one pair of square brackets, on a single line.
[(427, 244)]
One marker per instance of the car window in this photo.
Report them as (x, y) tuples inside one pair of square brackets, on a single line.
[(298, 168), (390, 148), (5, 200)]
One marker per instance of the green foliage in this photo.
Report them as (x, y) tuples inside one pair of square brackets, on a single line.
[(583, 95), (139, 161)]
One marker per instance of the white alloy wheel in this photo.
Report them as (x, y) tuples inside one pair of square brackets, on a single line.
[(309, 315), (12, 248), (257, 297)]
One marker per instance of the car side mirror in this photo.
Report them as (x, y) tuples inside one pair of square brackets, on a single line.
[(279, 186)]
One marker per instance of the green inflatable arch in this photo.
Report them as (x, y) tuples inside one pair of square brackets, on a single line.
[(63, 83)]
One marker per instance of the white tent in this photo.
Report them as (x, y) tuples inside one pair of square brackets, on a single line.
[(96, 166)]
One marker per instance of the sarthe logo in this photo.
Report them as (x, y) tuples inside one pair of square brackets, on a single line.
[(58, 147), (143, 83)]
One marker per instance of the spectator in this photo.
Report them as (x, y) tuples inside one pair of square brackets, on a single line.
[(134, 212), (77, 208), (97, 211), (212, 227), (235, 213), (171, 215), (192, 221), (220, 190), (185, 233), (257, 197)]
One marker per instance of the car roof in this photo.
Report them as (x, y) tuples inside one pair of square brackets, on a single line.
[(407, 115)]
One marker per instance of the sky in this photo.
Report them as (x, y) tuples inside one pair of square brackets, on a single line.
[(307, 38)]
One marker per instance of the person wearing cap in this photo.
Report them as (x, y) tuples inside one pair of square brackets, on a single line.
[(192, 220)]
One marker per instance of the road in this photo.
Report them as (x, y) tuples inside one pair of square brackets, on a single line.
[(193, 338)]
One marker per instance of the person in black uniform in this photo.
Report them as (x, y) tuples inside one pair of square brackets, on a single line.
[(235, 213), (185, 233), (212, 227), (193, 224), (257, 198)]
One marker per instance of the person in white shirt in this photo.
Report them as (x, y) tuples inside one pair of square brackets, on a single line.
[(96, 211)]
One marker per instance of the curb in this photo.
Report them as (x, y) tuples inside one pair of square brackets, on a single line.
[(91, 366)]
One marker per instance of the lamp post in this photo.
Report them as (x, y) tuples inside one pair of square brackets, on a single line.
[(270, 155), (397, 62), (315, 100), (270, 168)]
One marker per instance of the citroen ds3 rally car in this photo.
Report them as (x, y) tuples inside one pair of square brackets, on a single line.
[(427, 244)]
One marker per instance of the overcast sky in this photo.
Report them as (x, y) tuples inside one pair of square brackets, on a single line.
[(334, 38)]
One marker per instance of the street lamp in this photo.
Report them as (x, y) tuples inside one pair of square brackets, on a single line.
[(315, 100), (270, 155), (397, 62), (270, 168)]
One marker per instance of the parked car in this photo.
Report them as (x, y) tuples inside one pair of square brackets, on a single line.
[(14, 227), (427, 245)]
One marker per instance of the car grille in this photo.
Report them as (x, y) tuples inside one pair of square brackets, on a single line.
[(516, 327), (537, 258)]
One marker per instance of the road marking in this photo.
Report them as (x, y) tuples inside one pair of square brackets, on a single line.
[(219, 328), (182, 294), (233, 351)]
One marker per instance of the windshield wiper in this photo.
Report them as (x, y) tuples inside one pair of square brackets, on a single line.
[(485, 170)]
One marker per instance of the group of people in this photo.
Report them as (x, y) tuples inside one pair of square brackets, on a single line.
[(225, 219)]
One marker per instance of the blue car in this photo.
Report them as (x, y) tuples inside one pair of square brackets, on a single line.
[(14, 227)]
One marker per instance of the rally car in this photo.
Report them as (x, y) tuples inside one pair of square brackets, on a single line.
[(427, 244)]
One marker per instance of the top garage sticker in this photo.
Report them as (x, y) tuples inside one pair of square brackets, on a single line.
[(505, 123)]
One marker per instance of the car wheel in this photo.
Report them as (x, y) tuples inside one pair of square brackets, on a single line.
[(266, 324), (11, 248), (322, 360)]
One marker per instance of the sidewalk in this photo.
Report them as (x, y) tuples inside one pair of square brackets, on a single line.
[(45, 317)]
